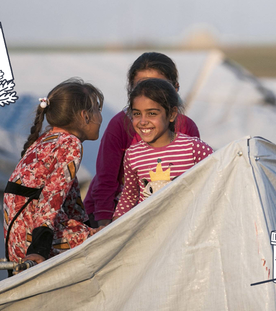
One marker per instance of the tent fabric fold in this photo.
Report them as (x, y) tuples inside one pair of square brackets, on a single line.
[(197, 244)]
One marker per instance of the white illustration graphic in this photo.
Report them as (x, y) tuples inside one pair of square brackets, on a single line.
[(273, 242), (7, 94)]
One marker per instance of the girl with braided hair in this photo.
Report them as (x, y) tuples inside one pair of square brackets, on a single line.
[(43, 211)]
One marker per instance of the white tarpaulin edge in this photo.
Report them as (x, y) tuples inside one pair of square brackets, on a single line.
[(198, 244)]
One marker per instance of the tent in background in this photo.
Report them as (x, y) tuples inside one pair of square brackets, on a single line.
[(227, 102), (224, 100), (198, 244)]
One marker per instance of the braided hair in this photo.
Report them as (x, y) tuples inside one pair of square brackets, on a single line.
[(62, 106)]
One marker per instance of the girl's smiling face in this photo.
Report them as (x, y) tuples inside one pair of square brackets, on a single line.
[(150, 121)]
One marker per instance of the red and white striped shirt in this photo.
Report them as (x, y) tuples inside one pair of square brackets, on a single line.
[(145, 164)]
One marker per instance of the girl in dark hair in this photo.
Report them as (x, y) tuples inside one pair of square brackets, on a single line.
[(162, 154), (152, 62), (106, 186), (43, 211)]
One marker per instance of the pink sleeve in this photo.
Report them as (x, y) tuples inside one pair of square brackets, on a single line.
[(106, 185), (102, 192), (130, 194), (201, 150), (186, 126)]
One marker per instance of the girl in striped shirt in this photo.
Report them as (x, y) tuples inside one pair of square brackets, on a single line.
[(162, 154)]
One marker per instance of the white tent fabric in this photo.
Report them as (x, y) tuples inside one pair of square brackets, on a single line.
[(197, 244), (227, 103), (38, 73)]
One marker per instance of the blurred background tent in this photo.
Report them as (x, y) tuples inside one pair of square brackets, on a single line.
[(224, 99), (98, 40), (201, 253)]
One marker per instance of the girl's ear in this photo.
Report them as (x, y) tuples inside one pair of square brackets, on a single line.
[(173, 114), (85, 116)]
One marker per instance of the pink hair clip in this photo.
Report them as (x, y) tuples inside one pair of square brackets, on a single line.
[(44, 102)]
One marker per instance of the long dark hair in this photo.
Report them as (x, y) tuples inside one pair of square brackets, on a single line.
[(156, 61), (65, 101)]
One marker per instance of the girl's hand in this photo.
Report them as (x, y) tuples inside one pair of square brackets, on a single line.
[(100, 228), (34, 257), (92, 231)]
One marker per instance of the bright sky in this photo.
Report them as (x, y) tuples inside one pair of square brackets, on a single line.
[(52, 22)]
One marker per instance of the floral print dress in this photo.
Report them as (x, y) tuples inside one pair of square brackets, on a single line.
[(51, 163)]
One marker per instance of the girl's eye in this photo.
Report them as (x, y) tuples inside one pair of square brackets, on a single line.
[(135, 114), (152, 113)]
